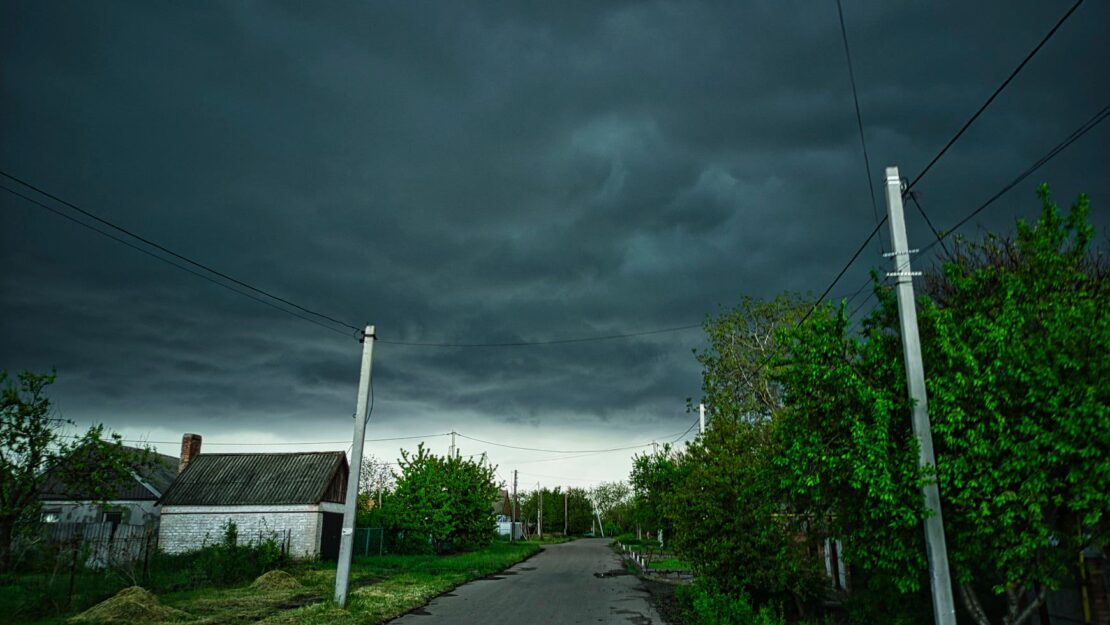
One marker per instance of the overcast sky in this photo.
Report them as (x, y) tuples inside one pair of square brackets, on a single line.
[(485, 172)]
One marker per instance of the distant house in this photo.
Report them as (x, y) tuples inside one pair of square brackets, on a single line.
[(295, 498), (132, 501)]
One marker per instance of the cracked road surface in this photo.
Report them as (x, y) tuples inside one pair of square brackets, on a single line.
[(577, 582)]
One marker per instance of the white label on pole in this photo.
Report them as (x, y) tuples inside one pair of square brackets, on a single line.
[(347, 531)]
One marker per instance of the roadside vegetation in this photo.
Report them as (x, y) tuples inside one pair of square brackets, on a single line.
[(810, 442)]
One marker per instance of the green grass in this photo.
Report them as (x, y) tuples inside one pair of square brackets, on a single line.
[(382, 588), (669, 564)]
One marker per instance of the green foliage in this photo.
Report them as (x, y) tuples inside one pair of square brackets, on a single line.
[(1015, 340), (227, 562), (729, 509), (1014, 336), (705, 604), (442, 503), (847, 453), (654, 478), (31, 449)]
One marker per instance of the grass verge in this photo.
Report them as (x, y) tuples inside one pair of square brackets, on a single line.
[(382, 588)]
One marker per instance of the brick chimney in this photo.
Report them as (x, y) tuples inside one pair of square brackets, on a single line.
[(190, 448)]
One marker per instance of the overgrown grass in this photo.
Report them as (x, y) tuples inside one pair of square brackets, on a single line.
[(382, 588)]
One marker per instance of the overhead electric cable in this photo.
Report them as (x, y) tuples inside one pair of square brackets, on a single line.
[(994, 95), (939, 239), (683, 435), (585, 339), (859, 119), (166, 250), (554, 451), (852, 260), (1076, 134), (168, 261), (343, 442)]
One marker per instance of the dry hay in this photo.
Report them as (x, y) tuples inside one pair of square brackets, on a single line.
[(130, 605), (275, 580)]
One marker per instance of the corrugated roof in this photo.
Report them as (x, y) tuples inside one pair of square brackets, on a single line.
[(159, 473), (257, 479)]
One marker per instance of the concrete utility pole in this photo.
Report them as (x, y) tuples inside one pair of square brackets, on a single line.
[(512, 524), (451, 451), (944, 609), (701, 418), (539, 513), (347, 537)]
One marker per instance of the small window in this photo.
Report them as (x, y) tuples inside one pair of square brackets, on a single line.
[(51, 516)]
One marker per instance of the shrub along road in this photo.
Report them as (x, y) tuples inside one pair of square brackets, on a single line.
[(576, 582)]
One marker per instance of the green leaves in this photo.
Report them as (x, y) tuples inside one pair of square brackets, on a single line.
[(443, 503)]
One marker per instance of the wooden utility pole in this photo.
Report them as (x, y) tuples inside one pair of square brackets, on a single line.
[(362, 405), (944, 608)]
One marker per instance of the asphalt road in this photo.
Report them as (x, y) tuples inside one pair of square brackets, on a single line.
[(577, 582)]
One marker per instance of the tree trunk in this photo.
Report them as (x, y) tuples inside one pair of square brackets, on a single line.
[(1025, 615), (7, 529), (971, 602)]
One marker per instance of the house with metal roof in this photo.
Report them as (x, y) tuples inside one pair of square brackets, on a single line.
[(293, 498), (129, 499)]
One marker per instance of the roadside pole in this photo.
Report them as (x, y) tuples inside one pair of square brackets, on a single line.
[(944, 609), (539, 513), (347, 537), (512, 523), (701, 418)]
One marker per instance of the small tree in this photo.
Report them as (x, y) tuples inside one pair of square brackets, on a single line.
[(31, 443), (375, 479), (444, 502)]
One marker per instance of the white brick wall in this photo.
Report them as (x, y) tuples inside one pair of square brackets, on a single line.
[(185, 528)]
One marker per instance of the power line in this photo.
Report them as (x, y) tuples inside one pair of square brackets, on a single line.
[(554, 451), (271, 296), (859, 119), (940, 239), (343, 442), (175, 254), (1076, 134), (168, 261), (585, 339), (852, 260), (994, 95), (683, 435)]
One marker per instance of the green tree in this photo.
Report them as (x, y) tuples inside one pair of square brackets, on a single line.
[(443, 503), (1014, 336), (1015, 340), (655, 477), (722, 495), (31, 443)]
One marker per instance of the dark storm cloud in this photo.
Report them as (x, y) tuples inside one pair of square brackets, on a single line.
[(471, 173)]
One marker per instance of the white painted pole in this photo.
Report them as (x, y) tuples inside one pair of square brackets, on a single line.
[(701, 418), (347, 537), (944, 608)]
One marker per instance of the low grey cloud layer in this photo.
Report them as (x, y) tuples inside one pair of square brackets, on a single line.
[(469, 173)]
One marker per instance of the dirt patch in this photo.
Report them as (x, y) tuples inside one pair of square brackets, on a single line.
[(275, 580), (130, 605)]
